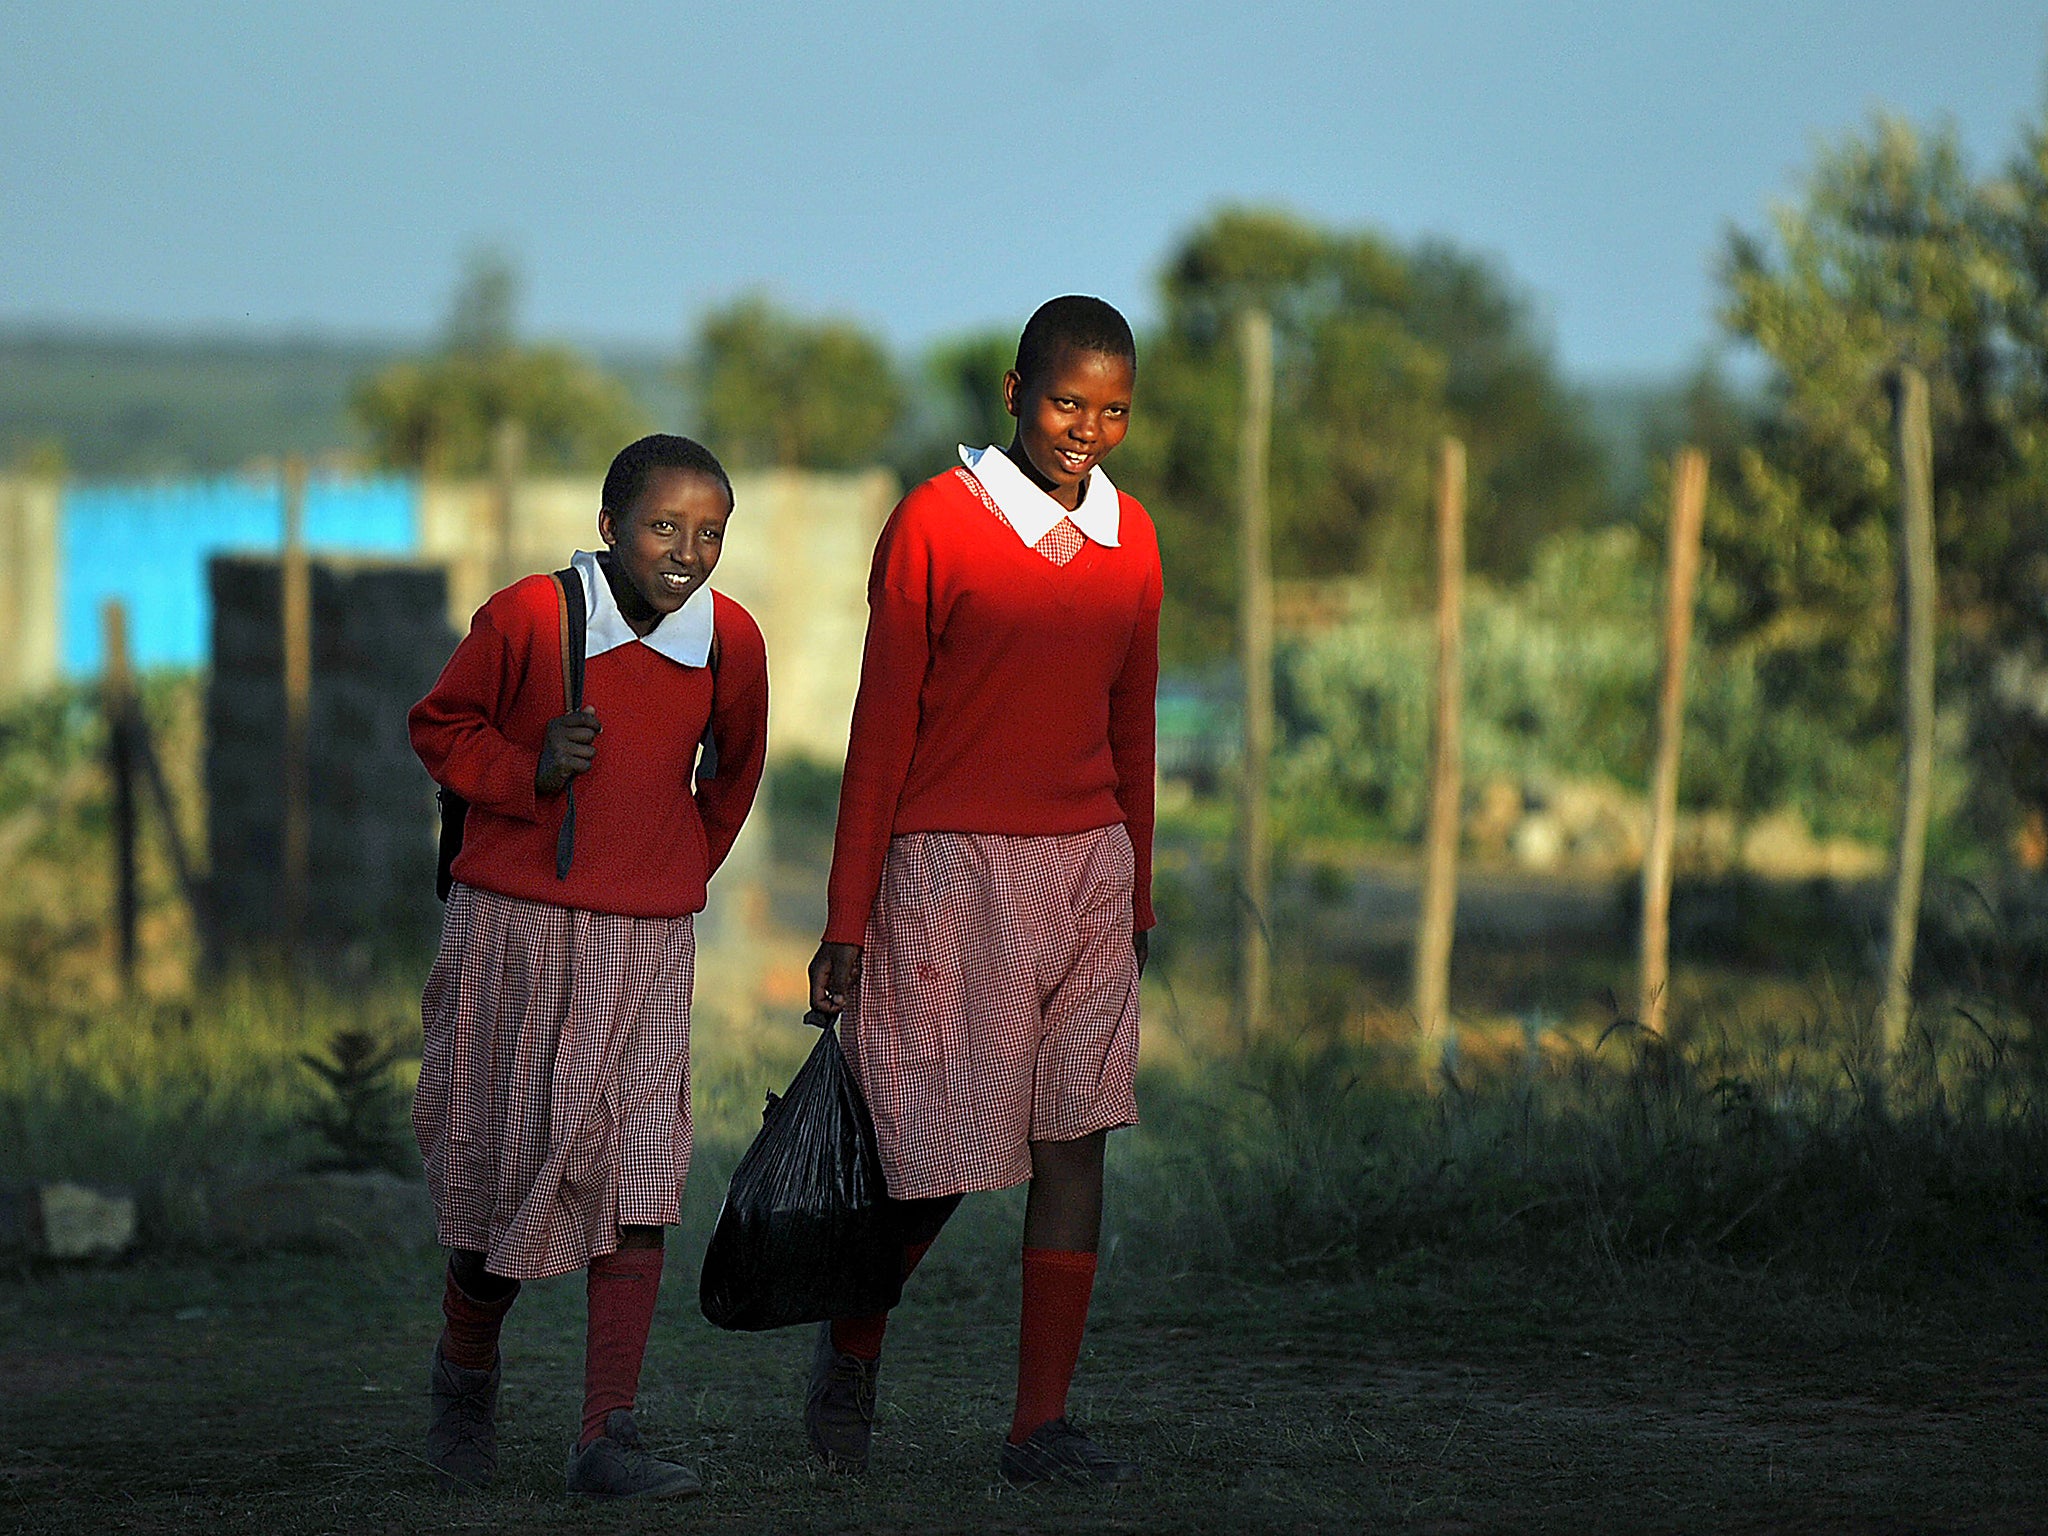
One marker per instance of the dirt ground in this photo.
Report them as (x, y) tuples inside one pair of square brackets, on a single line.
[(286, 1395)]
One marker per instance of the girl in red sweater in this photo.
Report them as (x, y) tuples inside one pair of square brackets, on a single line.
[(990, 892), (554, 1095)]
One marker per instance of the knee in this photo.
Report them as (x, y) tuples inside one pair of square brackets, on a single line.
[(921, 1220), (1068, 1163), (477, 1283)]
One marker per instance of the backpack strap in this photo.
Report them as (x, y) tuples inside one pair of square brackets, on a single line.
[(573, 627)]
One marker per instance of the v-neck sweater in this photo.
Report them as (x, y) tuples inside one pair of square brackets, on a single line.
[(647, 839), (998, 692)]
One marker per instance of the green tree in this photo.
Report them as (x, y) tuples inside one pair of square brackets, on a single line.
[(439, 413), (966, 377), (1380, 351), (1895, 255), (773, 389)]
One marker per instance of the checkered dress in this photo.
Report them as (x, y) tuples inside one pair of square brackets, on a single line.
[(998, 1003), (1062, 541), (554, 1094)]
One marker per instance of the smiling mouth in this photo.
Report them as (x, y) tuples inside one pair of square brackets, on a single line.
[(677, 581), (1072, 460)]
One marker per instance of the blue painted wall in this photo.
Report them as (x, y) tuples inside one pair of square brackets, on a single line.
[(148, 544)]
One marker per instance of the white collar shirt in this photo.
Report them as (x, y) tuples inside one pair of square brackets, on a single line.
[(1033, 513), (684, 636)]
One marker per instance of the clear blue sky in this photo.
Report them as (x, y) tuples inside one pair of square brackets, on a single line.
[(927, 167)]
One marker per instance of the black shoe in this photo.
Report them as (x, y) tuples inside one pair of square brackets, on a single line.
[(839, 1406), (1058, 1452), (618, 1465), (462, 1423)]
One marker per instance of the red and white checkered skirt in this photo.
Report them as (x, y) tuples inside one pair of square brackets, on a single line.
[(998, 1003), (554, 1096)]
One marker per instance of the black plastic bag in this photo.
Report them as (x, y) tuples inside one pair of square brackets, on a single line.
[(807, 1231)]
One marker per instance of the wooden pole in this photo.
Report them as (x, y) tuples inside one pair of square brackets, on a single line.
[(117, 698), (1255, 657), (1446, 774), (144, 753), (1681, 579), (1914, 442), (295, 607)]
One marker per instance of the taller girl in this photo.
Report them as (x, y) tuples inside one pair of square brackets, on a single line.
[(990, 892)]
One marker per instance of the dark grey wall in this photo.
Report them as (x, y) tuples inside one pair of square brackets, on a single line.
[(380, 636)]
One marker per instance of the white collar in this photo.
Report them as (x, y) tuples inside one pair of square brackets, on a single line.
[(1031, 511), (684, 636)]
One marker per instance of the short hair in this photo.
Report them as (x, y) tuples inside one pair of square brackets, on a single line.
[(1074, 320), (627, 477)]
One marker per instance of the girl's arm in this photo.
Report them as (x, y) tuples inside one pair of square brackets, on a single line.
[(878, 749), (739, 729), (455, 730)]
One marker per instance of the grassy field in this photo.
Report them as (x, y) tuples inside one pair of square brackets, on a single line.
[(286, 1395), (1595, 1299)]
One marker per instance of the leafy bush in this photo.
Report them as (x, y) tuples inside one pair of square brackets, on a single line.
[(1560, 683)]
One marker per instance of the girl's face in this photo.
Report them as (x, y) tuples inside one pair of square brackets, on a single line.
[(666, 544), (1070, 419)]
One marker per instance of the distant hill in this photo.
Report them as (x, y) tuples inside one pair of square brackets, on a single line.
[(119, 404)]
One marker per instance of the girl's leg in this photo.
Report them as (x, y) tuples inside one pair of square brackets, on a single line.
[(839, 1406), (473, 1306), (1062, 1220), (621, 1288), (1062, 1224), (462, 1381), (610, 1459), (922, 1220)]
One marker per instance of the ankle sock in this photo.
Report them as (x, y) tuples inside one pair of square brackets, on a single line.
[(469, 1338), (621, 1289), (861, 1337), (1057, 1287)]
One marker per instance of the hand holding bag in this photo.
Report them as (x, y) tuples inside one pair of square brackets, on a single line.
[(808, 1231)]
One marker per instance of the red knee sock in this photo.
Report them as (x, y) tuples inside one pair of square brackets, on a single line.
[(861, 1337), (621, 1288), (1057, 1287), (470, 1338)]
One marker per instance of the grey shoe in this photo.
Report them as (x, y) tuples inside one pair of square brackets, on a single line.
[(618, 1465), (839, 1407), (462, 1423), (1058, 1452)]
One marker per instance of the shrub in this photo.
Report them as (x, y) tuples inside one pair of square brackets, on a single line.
[(1560, 682)]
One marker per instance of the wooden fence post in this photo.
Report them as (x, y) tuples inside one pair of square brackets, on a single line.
[(117, 701), (1440, 860), (1681, 578), (1255, 656), (295, 610), (1914, 442)]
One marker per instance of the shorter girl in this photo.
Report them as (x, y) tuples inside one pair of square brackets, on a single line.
[(554, 1096)]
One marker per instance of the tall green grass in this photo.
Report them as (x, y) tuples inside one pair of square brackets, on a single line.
[(1768, 1149), (1771, 1151)]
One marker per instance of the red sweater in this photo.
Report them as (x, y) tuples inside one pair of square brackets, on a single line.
[(645, 842), (998, 691)]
